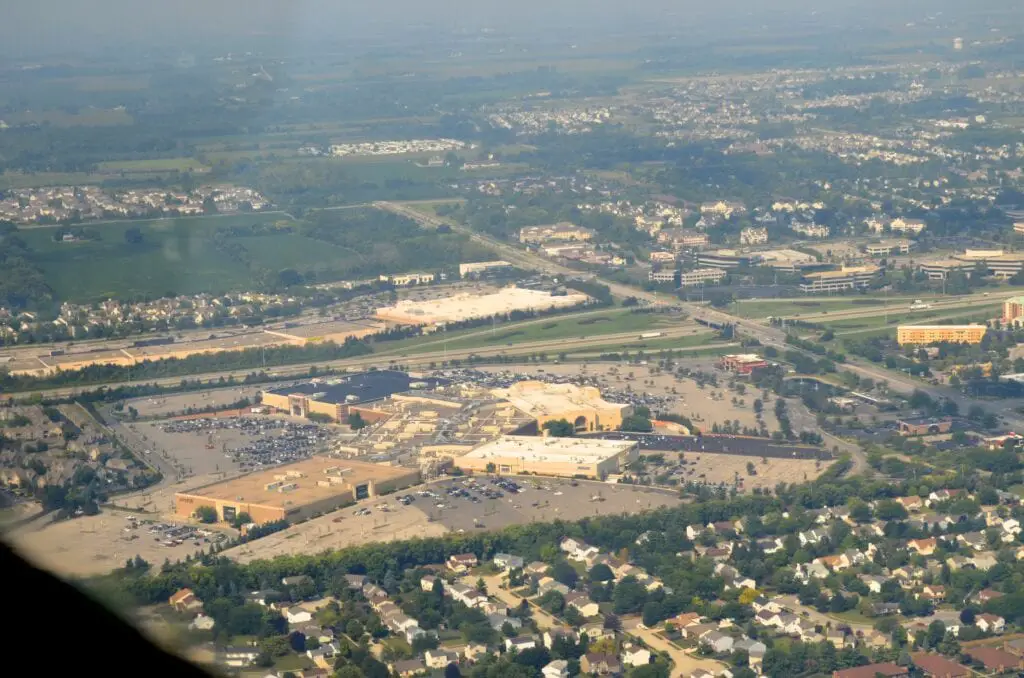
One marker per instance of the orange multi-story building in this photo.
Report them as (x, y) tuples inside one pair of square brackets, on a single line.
[(933, 334)]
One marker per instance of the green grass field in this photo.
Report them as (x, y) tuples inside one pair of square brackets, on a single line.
[(154, 165), (792, 308), (176, 256), (548, 329), (9, 180)]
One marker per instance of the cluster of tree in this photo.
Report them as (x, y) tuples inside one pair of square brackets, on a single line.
[(22, 283)]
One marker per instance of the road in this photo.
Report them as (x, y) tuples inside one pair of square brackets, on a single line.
[(552, 347), (683, 664)]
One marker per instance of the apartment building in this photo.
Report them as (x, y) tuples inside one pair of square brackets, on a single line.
[(931, 334)]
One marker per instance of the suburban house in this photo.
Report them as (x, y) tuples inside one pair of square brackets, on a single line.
[(600, 664), (717, 641), (582, 604), (558, 668), (937, 666), (990, 623), (184, 600), (634, 655), (507, 561), (520, 643), (924, 547), (406, 668), (887, 669), (439, 659), (462, 562), (298, 615)]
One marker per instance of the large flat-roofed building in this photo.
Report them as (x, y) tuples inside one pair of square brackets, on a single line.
[(581, 406), (560, 231), (1013, 311), (931, 334), (478, 267), (333, 396), (296, 491), (725, 259), (701, 276), (469, 306), (848, 278), (886, 248), (567, 457), (996, 262)]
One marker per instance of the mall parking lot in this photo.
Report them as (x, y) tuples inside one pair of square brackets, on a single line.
[(537, 499)]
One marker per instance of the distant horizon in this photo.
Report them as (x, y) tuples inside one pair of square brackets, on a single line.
[(67, 27)]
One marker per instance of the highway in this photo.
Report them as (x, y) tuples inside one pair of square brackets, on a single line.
[(766, 334), (552, 347)]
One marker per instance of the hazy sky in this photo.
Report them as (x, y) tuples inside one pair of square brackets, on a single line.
[(72, 25)]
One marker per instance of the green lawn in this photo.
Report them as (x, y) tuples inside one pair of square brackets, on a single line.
[(292, 662), (556, 327), (790, 308)]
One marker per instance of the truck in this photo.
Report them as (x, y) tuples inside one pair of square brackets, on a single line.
[(919, 305), (651, 335)]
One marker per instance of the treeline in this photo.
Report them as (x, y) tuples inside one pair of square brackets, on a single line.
[(22, 284)]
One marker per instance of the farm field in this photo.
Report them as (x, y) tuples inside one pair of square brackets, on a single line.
[(176, 256)]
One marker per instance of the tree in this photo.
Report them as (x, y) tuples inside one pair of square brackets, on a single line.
[(629, 596), (559, 428), (601, 572), (206, 514), (565, 573), (636, 423), (133, 235), (452, 671), (241, 519), (967, 616), (653, 612), (356, 421)]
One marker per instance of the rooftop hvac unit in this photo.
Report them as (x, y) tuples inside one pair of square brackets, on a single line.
[(272, 486), (288, 487)]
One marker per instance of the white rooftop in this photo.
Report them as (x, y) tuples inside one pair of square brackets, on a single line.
[(552, 449)]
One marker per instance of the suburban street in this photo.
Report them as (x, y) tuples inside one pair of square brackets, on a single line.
[(683, 664)]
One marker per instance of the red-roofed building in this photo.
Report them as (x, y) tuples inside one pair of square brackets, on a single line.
[(887, 669), (995, 659), (937, 666)]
